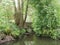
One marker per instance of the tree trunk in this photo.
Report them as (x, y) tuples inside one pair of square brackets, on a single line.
[(26, 11), (18, 14), (21, 14)]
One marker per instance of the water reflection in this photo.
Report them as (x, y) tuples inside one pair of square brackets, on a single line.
[(33, 40), (29, 42)]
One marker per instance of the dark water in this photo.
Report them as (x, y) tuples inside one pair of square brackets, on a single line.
[(33, 40)]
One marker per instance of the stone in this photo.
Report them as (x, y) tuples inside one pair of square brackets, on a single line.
[(2, 36), (7, 39)]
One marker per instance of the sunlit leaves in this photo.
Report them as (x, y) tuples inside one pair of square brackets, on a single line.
[(45, 15)]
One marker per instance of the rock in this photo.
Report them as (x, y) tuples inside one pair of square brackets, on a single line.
[(7, 39), (2, 36)]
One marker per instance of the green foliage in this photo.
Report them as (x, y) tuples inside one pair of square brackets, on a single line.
[(7, 30), (22, 31), (6, 14), (12, 29), (7, 24), (54, 34), (15, 33), (45, 17)]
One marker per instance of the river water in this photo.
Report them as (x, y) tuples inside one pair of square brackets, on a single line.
[(33, 40)]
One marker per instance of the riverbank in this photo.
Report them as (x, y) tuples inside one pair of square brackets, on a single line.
[(33, 40)]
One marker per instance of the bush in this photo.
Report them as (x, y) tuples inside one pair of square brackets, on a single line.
[(45, 18), (17, 33), (12, 29)]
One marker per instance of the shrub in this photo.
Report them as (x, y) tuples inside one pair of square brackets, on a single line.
[(15, 33), (45, 18)]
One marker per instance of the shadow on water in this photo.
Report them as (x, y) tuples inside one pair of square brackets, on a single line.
[(33, 40)]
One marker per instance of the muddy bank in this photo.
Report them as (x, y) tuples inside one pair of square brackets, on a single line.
[(6, 39)]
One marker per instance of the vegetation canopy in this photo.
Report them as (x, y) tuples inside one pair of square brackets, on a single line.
[(18, 17)]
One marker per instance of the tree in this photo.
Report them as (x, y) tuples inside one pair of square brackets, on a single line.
[(19, 12), (26, 11)]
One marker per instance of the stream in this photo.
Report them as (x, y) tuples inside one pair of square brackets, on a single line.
[(33, 40)]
